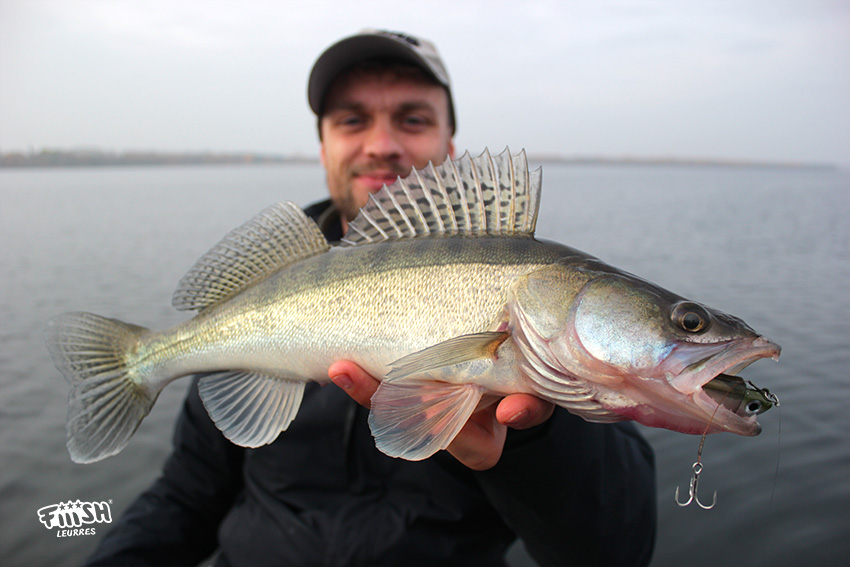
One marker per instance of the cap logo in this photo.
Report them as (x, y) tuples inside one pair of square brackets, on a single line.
[(409, 39)]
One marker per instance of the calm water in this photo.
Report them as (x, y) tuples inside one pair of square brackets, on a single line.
[(772, 246)]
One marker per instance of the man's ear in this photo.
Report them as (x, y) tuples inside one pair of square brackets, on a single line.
[(322, 154), (451, 149)]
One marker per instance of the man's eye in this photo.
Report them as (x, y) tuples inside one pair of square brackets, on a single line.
[(415, 121), (347, 120), (350, 121)]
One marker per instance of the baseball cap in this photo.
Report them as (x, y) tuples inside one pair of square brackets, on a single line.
[(373, 43)]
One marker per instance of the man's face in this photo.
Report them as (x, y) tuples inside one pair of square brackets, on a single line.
[(376, 125)]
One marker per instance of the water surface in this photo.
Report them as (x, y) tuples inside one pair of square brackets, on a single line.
[(769, 245)]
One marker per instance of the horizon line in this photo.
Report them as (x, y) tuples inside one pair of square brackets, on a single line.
[(56, 157)]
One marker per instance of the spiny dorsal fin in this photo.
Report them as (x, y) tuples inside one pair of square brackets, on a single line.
[(470, 196), (278, 236)]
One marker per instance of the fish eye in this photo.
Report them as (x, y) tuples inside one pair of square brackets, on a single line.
[(754, 407), (691, 317)]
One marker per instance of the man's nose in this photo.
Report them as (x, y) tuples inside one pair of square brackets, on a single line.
[(382, 141)]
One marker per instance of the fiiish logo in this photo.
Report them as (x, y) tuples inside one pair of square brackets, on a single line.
[(71, 516)]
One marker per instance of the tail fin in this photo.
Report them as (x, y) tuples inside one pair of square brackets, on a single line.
[(106, 403)]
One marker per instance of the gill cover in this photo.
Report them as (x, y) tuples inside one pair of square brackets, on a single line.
[(622, 325)]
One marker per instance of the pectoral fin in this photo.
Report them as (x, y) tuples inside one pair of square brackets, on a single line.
[(413, 418), (454, 351)]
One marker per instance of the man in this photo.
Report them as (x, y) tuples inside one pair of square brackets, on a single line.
[(321, 494), (376, 121)]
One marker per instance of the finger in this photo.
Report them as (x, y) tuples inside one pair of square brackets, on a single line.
[(354, 381), (479, 443), (521, 411)]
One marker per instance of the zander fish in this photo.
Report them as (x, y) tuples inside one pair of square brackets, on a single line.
[(440, 289)]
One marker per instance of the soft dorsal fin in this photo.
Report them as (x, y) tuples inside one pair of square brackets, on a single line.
[(469, 196), (278, 236)]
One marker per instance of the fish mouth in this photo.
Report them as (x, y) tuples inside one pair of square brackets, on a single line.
[(722, 359)]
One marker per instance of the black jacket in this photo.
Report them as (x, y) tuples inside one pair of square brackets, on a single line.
[(576, 493)]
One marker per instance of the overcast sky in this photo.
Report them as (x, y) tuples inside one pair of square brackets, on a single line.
[(738, 79)]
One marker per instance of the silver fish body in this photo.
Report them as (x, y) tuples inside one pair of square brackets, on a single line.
[(440, 290), (371, 304)]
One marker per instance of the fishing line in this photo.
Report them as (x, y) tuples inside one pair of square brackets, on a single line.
[(697, 467), (778, 458)]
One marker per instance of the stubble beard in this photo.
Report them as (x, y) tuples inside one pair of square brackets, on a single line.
[(347, 203)]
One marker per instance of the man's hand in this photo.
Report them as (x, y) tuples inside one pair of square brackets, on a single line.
[(479, 444)]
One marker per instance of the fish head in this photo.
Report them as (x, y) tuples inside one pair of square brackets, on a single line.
[(645, 353)]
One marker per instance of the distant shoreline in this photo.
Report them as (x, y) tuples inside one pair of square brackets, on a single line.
[(96, 158), (675, 162)]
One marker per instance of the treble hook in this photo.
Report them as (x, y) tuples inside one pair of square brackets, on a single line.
[(694, 486), (692, 491)]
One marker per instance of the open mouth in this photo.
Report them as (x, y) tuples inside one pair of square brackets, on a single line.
[(731, 403), (728, 358)]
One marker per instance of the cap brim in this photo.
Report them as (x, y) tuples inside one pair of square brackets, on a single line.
[(353, 49)]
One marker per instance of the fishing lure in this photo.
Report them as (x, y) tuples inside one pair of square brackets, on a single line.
[(753, 400)]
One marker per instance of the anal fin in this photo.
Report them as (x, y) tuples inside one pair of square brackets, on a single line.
[(250, 409), (413, 418)]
